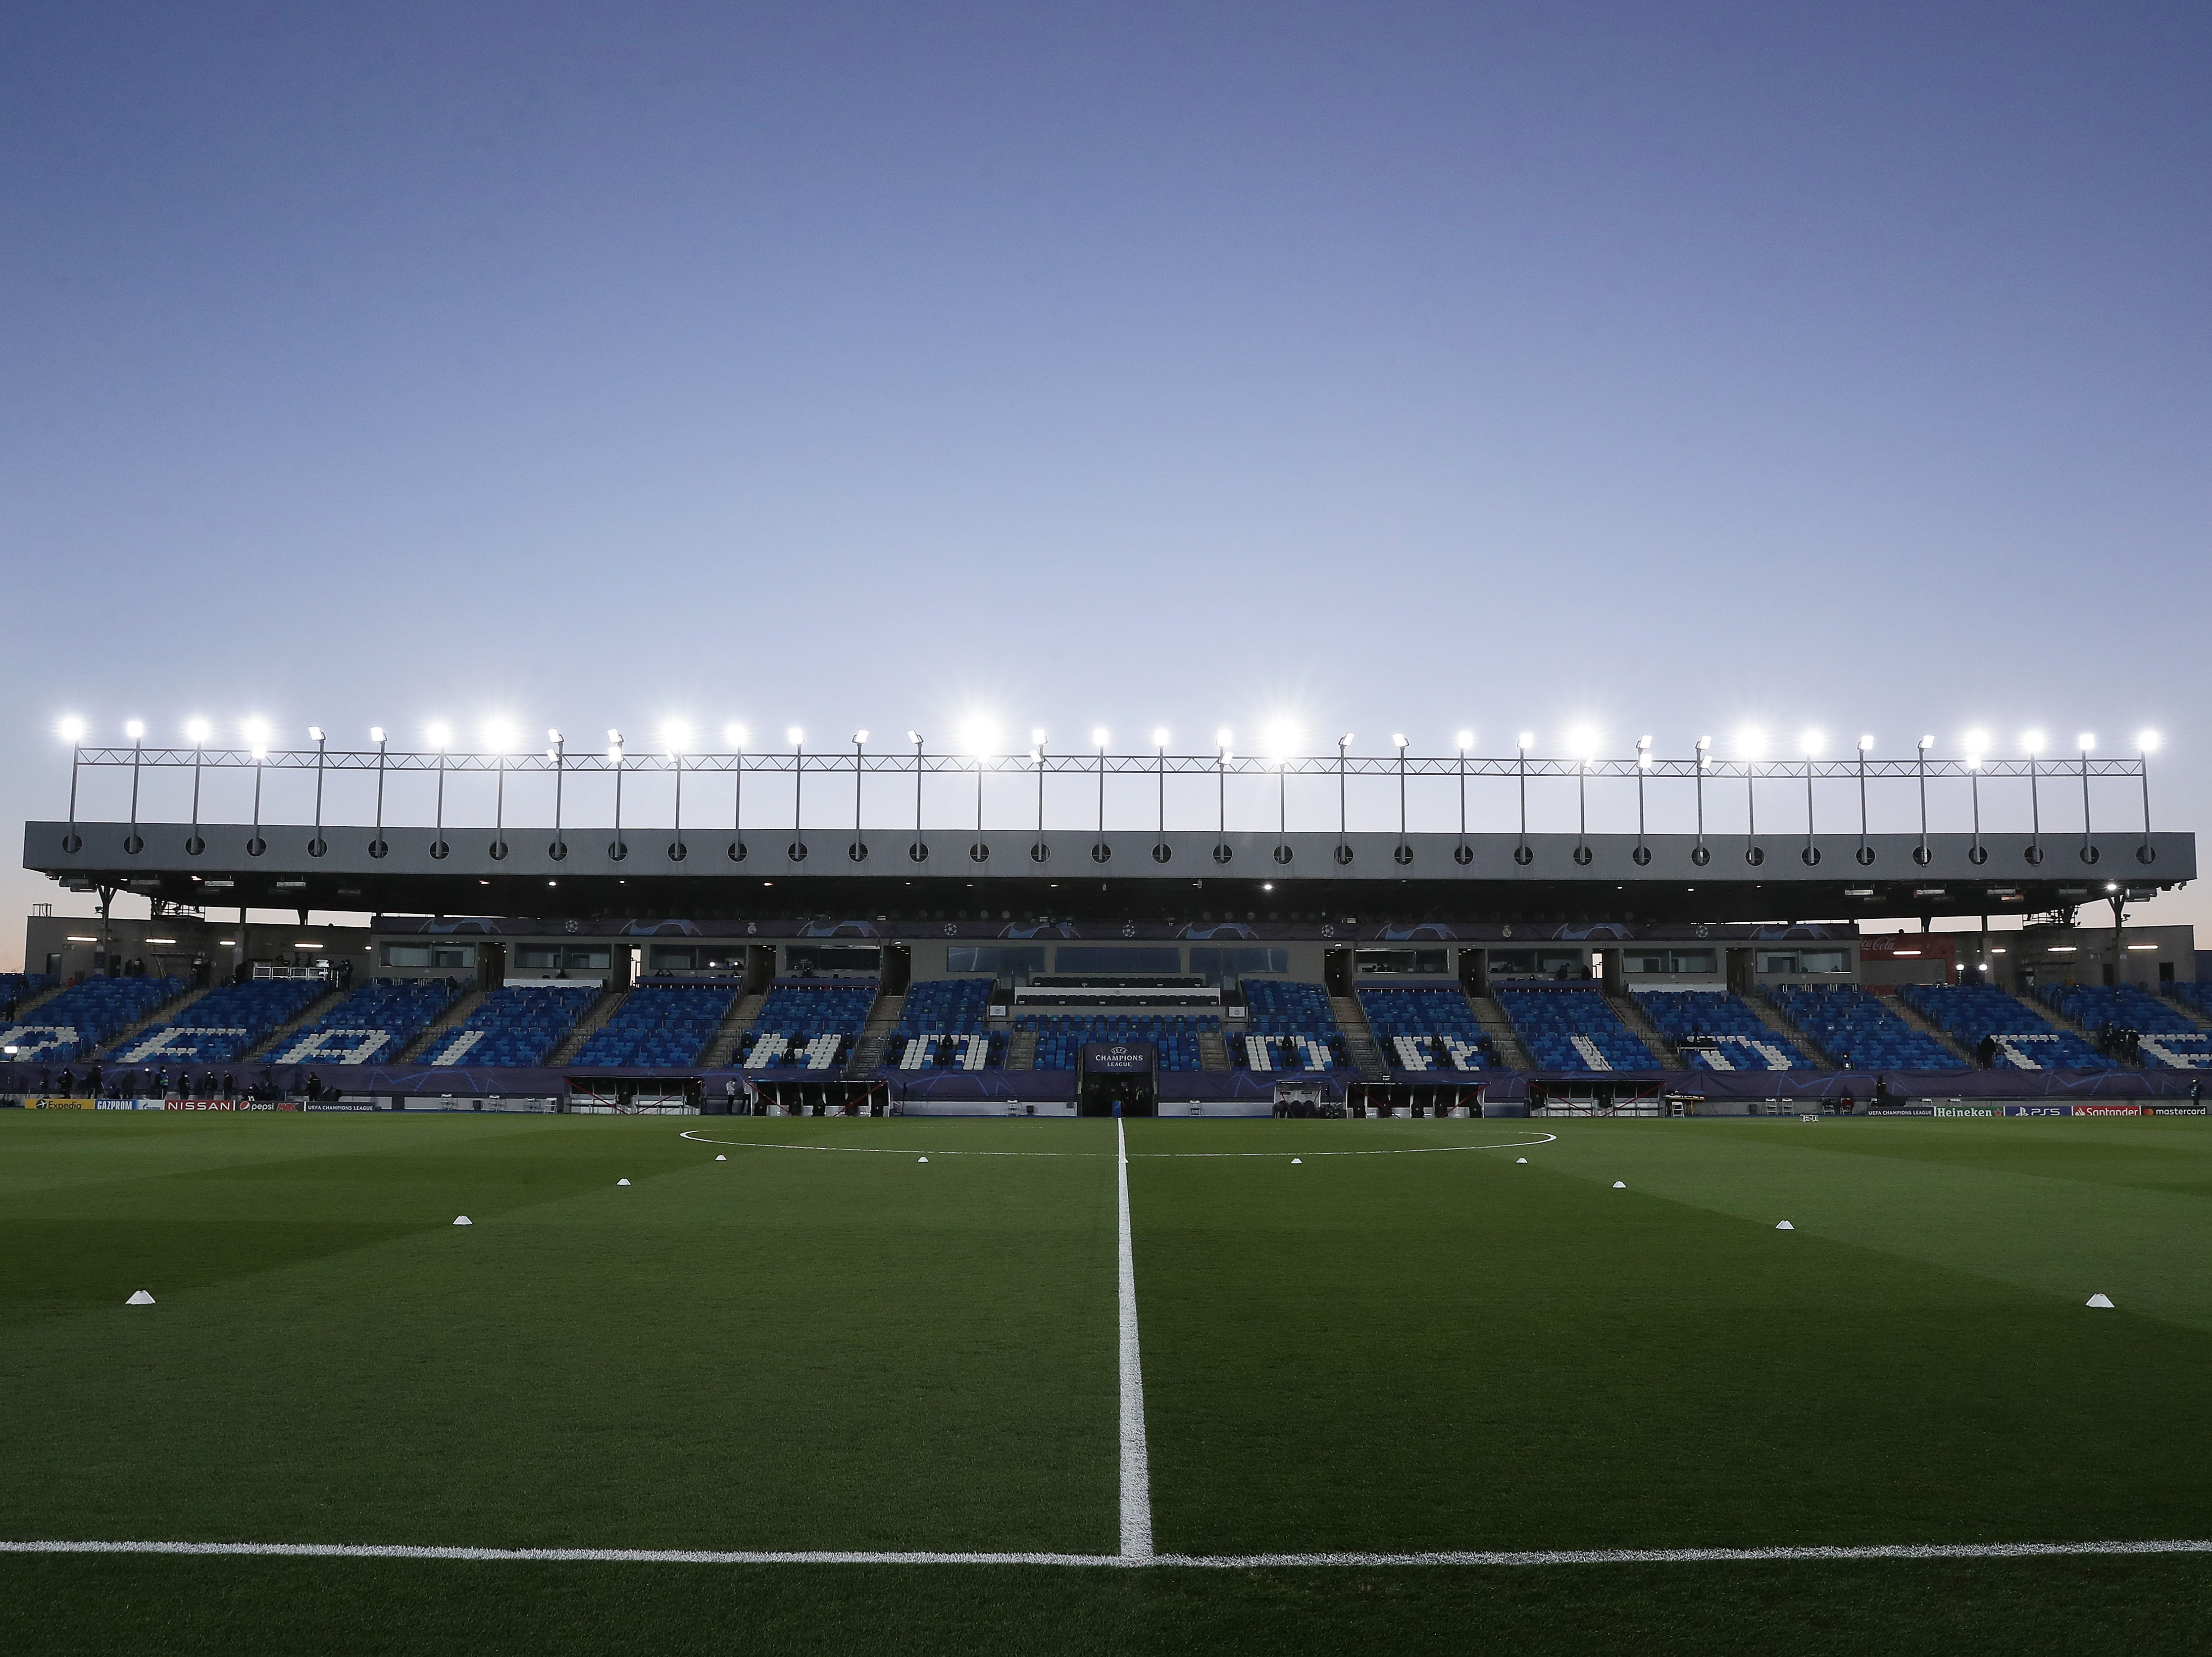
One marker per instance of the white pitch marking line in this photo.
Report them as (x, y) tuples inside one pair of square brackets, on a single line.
[(696, 1138), (1194, 1561), (1136, 1455)]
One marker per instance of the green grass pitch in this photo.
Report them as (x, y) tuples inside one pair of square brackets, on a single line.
[(845, 1349)]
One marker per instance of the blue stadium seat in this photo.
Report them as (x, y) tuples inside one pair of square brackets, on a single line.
[(86, 1014), (1850, 1025), (1288, 1025), (1969, 1013), (1574, 1030), (1432, 1027), (660, 1026), (945, 1023), (516, 1026), (223, 1025), (370, 1026), (807, 1026), (1744, 1041)]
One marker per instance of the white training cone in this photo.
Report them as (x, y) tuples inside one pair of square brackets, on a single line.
[(1620, 1184), (142, 1298), (920, 1159), (463, 1220), (2104, 1301), (622, 1181), (1520, 1159), (1785, 1225), (722, 1159), (1298, 1161)]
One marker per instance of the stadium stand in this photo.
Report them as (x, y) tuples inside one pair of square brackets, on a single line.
[(1849, 1025), (22, 987), (1432, 1027), (220, 1027), (2016, 1034), (1743, 1041), (1060, 1037), (660, 1024), (945, 1023), (2164, 1036), (1289, 1026), (370, 1025), (1573, 1030), (519, 1024), (86, 1014), (2197, 995), (807, 1026)]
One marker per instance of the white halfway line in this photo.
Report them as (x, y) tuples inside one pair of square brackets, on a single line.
[(1136, 1455), (1193, 1561)]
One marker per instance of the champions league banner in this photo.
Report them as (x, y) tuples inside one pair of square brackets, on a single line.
[(1118, 1058)]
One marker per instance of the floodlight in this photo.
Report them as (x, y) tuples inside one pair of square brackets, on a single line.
[(1099, 737), (2086, 742), (1397, 739), (1812, 742), (1865, 743), (135, 729), (314, 733), (676, 735), (1345, 741), (1582, 742), (199, 730), (552, 736), (1977, 744), (734, 735), (1222, 738), (1643, 744), (614, 739), (1927, 742), (858, 738), (72, 730), (376, 734), (1466, 741), (1036, 734), (1749, 741), (2031, 741), (2146, 741), (500, 734), (1282, 738), (1528, 740), (914, 737), (1160, 737), (439, 734), (1704, 743), (256, 731), (794, 736)]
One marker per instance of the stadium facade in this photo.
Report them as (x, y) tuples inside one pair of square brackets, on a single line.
[(1048, 968)]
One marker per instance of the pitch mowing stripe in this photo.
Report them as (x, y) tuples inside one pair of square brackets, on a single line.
[(1187, 1561), (699, 1139), (1136, 1455)]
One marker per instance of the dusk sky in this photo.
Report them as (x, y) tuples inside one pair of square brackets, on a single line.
[(1377, 368)]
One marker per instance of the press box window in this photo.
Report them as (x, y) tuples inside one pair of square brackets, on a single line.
[(1535, 963), (1648, 961), (1800, 962), (430, 955), (561, 957), (1430, 963)]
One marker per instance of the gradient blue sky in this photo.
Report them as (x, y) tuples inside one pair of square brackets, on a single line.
[(1395, 367)]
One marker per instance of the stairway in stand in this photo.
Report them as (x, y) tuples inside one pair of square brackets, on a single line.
[(311, 1014), (467, 1003), (1911, 1016), (594, 1015), (1500, 1028), (875, 1035), (722, 1053), (1213, 1050), (1630, 1012), (1021, 1050), (1359, 1038), (163, 1014)]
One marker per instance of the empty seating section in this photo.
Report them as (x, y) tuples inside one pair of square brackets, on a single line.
[(220, 1027), (1288, 1026), (1852, 1026), (1973, 1013), (2169, 1040), (2197, 995), (1573, 1030), (85, 1015), (1432, 1028), (1060, 1037), (660, 1024), (945, 1023), (1741, 1041), (371, 1025), (22, 987), (517, 1025), (808, 1026)]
